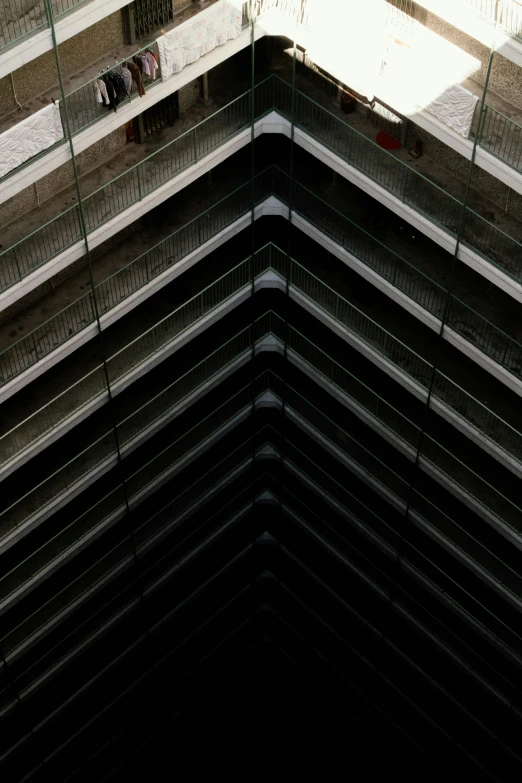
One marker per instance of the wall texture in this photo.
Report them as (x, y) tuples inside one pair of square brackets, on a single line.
[(188, 96), (40, 75), (179, 5)]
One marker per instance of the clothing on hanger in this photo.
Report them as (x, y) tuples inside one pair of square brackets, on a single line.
[(152, 64), (136, 75), (127, 78), (119, 85), (111, 92), (104, 93), (97, 93)]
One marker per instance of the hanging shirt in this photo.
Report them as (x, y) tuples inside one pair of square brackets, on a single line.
[(119, 85), (97, 94), (153, 65), (104, 93), (136, 75), (127, 78), (111, 92), (145, 63)]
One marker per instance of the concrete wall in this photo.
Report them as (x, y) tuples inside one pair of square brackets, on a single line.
[(40, 74), (188, 96), (179, 5), (505, 78)]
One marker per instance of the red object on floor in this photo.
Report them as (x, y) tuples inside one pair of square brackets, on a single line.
[(387, 142)]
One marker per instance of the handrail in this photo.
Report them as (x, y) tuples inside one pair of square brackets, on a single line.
[(376, 337), (511, 348), (497, 247), (509, 19), (21, 25)]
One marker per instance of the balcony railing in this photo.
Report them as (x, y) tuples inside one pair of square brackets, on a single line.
[(22, 18), (470, 325), (501, 136), (508, 13), (158, 337), (56, 236), (411, 187), (119, 554)]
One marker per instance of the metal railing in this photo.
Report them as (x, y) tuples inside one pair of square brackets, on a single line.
[(90, 388), (375, 527), (82, 107), (501, 136), (77, 316), (508, 13), (473, 327), (462, 404), (158, 407), (123, 191), (21, 18), (453, 469), (273, 93)]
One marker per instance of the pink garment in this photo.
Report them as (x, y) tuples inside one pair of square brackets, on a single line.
[(145, 64), (153, 65)]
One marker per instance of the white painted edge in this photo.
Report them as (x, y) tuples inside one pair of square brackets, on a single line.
[(449, 334), (358, 410), (356, 342)]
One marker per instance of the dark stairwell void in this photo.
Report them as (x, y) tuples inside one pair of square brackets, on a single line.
[(329, 593)]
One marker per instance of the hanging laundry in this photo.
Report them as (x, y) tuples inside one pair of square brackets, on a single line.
[(152, 63), (145, 63), (119, 85), (127, 78), (136, 75), (103, 91), (97, 94), (113, 98)]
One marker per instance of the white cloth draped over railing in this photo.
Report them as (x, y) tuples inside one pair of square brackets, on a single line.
[(30, 137), (455, 107), (198, 36)]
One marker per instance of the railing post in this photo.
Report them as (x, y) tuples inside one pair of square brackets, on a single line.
[(195, 147), (35, 345), (139, 182), (15, 255)]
